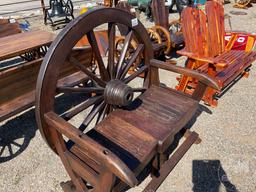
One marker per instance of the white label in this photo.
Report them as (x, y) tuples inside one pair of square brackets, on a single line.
[(135, 22), (227, 38), (12, 20), (240, 39)]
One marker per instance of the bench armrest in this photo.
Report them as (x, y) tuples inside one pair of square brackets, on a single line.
[(195, 57), (106, 158), (203, 59), (203, 78)]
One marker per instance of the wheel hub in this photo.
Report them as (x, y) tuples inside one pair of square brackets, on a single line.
[(118, 93)]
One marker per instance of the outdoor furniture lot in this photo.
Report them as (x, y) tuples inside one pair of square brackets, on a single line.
[(18, 44), (18, 81), (124, 140), (206, 51), (226, 138)]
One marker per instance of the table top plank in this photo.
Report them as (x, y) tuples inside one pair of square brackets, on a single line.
[(15, 45)]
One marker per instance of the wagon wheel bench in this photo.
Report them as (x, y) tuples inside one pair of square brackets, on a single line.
[(123, 130), (18, 81)]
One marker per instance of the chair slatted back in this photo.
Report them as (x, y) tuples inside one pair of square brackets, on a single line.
[(204, 31), (215, 16)]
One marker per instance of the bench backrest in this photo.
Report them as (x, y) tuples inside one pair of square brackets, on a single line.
[(21, 79), (204, 31)]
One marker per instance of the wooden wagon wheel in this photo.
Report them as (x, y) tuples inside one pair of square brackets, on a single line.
[(154, 36), (242, 3), (112, 86), (165, 35), (176, 33), (119, 44)]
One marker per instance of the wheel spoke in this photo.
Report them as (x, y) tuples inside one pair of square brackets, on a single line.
[(140, 89), (93, 42), (131, 61), (91, 115), (135, 74), (10, 149), (16, 144), (102, 114), (111, 48), (2, 150), (89, 90), (92, 76), (110, 109), (127, 42), (82, 106)]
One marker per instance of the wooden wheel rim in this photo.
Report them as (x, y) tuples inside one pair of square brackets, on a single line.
[(153, 34), (62, 46), (242, 3), (134, 45), (167, 36)]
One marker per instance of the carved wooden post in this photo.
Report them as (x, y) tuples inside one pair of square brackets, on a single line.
[(160, 13)]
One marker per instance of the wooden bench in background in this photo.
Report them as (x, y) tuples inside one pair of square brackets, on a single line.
[(206, 51), (18, 82)]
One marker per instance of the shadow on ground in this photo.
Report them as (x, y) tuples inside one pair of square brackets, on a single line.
[(208, 176), (15, 134)]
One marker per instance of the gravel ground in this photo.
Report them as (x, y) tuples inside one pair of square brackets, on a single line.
[(224, 161)]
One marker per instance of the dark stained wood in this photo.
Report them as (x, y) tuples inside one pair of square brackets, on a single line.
[(103, 155), (23, 42), (18, 83), (89, 73), (7, 28), (171, 108), (160, 13), (169, 165), (128, 140), (127, 42), (136, 142), (111, 51), (131, 61), (95, 48), (204, 78)]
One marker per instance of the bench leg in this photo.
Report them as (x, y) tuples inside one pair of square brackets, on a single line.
[(169, 165)]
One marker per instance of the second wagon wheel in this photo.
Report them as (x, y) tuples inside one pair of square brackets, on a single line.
[(242, 3), (130, 51), (112, 87)]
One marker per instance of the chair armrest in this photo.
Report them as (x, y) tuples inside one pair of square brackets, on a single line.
[(195, 57), (210, 60), (105, 157), (203, 78)]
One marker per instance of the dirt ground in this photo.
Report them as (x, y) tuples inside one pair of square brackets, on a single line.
[(224, 161)]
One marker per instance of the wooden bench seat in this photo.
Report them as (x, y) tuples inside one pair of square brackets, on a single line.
[(134, 136), (237, 61), (174, 108)]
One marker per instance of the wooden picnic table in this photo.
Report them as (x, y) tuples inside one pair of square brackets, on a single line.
[(15, 45)]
